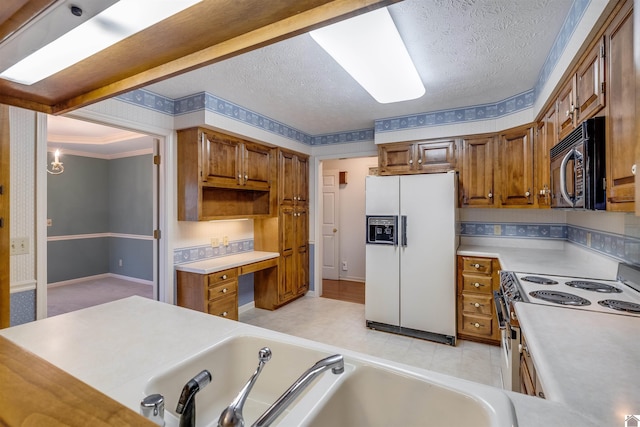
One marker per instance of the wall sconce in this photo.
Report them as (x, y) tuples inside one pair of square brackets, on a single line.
[(56, 165)]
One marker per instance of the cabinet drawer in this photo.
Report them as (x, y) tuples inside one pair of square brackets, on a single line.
[(477, 325), (226, 307), (477, 304), (222, 289), (220, 276), (477, 283), (476, 265)]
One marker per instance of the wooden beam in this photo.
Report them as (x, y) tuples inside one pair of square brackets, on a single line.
[(5, 300), (292, 26)]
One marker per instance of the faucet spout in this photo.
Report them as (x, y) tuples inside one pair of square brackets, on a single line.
[(187, 403), (232, 415), (335, 363)]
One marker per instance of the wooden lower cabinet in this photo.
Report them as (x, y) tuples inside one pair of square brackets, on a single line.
[(215, 293), (529, 381), (477, 319)]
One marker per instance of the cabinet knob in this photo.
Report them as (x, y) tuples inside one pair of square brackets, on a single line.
[(541, 395), (477, 325), (225, 314), (477, 265), (477, 285), (420, 161), (633, 169), (527, 194), (567, 113), (239, 176), (224, 277), (411, 161), (490, 195), (246, 177), (224, 291), (477, 305)]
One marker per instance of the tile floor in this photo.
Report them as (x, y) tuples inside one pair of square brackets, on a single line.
[(342, 324)]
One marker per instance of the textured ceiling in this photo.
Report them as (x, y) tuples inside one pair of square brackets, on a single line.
[(468, 52)]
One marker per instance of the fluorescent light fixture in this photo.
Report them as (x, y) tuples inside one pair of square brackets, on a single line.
[(112, 25), (370, 48)]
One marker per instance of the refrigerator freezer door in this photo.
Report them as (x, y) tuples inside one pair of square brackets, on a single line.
[(382, 195), (382, 300), (427, 263)]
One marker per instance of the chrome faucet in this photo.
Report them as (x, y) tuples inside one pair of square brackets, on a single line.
[(187, 403), (232, 415), (335, 363)]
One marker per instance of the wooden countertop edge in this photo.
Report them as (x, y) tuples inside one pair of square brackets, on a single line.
[(35, 392)]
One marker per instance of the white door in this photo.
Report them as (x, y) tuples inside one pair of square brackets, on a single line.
[(330, 220)]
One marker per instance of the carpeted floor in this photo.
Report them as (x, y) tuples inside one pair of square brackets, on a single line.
[(63, 299)]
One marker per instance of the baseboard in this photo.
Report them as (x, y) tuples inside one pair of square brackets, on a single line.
[(246, 307), (97, 277), (352, 279), (311, 294)]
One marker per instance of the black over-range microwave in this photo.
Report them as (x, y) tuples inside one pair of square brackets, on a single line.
[(578, 168)]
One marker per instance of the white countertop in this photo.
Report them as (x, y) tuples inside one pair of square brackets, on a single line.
[(222, 263), (562, 259), (116, 347), (588, 361)]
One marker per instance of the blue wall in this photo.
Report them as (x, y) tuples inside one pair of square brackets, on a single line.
[(95, 196)]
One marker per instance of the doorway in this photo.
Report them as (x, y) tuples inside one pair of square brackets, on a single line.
[(342, 207), (102, 214)]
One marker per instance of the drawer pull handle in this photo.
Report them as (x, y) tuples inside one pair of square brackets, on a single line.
[(224, 291), (477, 325), (224, 277), (225, 314), (477, 305), (477, 285), (478, 266)]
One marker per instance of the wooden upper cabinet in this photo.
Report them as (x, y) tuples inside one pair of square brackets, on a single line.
[(516, 168), (590, 83), (293, 181), (232, 162), (567, 108), (396, 159), (545, 138), (621, 127), (477, 177), (431, 156)]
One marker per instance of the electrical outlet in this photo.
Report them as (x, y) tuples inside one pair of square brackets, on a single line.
[(49, 222), (120, 263), (225, 240), (344, 266), (19, 246), (215, 242)]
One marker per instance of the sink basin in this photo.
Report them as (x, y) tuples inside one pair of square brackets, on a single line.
[(231, 363), (378, 397)]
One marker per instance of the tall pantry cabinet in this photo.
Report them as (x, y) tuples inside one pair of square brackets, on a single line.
[(288, 232)]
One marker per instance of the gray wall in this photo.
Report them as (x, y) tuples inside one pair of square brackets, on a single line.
[(101, 196)]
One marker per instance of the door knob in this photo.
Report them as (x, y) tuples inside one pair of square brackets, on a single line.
[(335, 230)]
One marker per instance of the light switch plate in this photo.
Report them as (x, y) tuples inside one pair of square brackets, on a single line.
[(19, 246)]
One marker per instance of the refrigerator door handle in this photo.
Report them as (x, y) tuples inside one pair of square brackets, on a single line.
[(403, 219)]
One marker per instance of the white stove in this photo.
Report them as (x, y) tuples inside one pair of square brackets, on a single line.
[(606, 296)]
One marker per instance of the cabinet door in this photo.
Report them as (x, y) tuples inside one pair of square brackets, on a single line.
[(566, 109), (302, 251), (590, 83), (541, 165), (301, 178), (286, 184), (436, 156), (516, 165), (396, 159), (477, 172), (621, 120), (221, 160), (287, 267), (256, 166)]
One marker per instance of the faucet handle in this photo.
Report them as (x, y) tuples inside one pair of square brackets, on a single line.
[(152, 408)]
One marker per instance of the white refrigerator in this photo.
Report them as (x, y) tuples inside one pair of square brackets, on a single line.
[(410, 273)]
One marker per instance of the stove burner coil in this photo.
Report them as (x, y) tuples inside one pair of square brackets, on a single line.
[(594, 286), (629, 307), (539, 280), (561, 298)]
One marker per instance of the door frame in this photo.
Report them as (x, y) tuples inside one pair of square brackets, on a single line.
[(5, 234), (163, 270)]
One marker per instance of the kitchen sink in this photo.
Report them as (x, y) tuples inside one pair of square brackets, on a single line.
[(231, 363), (372, 396)]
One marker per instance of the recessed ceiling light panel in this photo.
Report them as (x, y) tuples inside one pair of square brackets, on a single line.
[(371, 50)]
